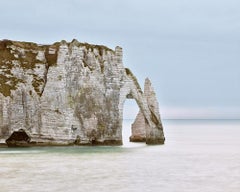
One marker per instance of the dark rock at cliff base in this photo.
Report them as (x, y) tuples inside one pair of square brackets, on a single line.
[(18, 139)]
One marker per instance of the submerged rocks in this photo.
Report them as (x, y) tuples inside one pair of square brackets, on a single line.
[(70, 93)]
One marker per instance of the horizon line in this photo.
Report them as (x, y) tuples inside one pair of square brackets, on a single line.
[(194, 119)]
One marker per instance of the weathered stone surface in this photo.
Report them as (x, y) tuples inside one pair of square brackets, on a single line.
[(140, 127), (69, 93)]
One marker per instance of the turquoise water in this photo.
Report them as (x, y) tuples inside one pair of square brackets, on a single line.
[(199, 156)]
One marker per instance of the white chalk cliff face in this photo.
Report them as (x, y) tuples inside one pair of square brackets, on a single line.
[(70, 93), (141, 127)]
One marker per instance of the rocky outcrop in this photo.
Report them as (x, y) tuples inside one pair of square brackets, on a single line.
[(69, 93), (141, 130)]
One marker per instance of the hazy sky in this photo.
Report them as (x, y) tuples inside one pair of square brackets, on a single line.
[(190, 49)]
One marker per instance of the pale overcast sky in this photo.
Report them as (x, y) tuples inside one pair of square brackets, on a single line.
[(190, 49)]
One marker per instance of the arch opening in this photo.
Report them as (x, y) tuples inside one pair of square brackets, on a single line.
[(130, 111)]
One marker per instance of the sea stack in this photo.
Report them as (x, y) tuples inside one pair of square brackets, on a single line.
[(70, 93)]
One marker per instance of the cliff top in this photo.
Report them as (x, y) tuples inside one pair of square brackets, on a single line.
[(14, 54), (30, 45)]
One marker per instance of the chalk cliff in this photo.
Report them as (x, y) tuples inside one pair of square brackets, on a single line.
[(70, 93), (141, 127)]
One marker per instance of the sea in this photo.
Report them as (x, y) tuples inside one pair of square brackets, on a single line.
[(198, 156)]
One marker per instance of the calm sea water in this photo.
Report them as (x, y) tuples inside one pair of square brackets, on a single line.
[(199, 156)]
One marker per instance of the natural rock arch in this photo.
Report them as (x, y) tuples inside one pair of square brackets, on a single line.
[(70, 93), (149, 127)]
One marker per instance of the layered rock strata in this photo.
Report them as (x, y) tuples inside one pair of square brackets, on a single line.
[(69, 93)]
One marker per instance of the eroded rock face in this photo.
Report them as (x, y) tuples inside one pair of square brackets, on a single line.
[(69, 93), (141, 129)]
